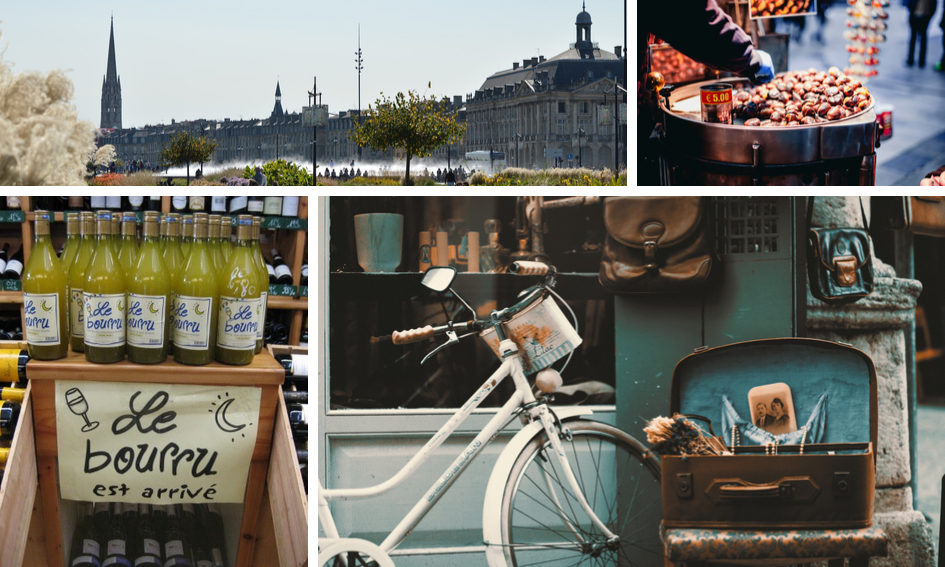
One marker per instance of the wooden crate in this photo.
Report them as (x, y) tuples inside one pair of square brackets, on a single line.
[(18, 490), (58, 515)]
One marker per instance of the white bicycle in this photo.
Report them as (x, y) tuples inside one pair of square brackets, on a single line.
[(564, 491)]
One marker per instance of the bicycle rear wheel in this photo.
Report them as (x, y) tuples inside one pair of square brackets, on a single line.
[(542, 521)]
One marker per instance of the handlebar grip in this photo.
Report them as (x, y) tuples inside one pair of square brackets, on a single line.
[(412, 336), (529, 268)]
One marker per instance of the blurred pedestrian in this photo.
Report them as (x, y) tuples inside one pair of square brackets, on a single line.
[(822, 6), (920, 14), (260, 177)]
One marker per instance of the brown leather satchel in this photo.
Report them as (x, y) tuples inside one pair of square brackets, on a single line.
[(921, 215), (655, 244)]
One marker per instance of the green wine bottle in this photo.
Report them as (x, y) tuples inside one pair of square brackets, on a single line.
[(149, 300), (198, 296), (128, 252), (104, 297), (186, 234), (73, 241), (76, 273), (239, 301), (263, 276), (215, 247), (44, 297), (174, 259), (226, 231)]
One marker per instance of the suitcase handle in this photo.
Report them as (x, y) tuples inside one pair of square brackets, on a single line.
[(734, 491), (700, 418)]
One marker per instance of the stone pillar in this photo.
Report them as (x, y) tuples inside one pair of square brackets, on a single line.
[(875, 325)]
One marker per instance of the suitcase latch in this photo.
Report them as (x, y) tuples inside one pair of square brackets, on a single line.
[(684, 485), (786, 490), (841, 483), (700, 349)]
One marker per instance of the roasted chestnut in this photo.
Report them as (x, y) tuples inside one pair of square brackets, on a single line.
[(831, 91), (823, 109), (835, 113), (742, 96), (835, 100), (777, 116), (849, 102), (751, 109), (765, 113), (753, 122), (808, 120)]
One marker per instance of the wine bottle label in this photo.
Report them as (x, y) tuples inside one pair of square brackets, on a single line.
[(179, 203), (75, 201), (238, 323), (304, 270), (272, 206), (197, 203), (238, 204), (173, 547), (290, 206), (136, 201), (182, 561), (261, 317), (218, 204), (9, 365), (283, 270), (146, 315), (98, 202), (255, 206), (272, 273), (204, 563), (104, 319), (217, 557), (116, 560), (15, 266), (148, 560), (299, 365), (116, 547), (151, 546), (90, 547), (113, 202), (85, 560), (192, 322), (3, 265), (41, 311), (77, 313)]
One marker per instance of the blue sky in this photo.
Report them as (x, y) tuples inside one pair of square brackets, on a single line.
[(221, 58), (453, 45), (177, 59)]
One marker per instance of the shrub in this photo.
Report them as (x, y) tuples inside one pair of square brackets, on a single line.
[(282, 173), (107, 180), (138, 179)]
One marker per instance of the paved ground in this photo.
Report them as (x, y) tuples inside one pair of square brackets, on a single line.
[(931, 464), (918, 143)]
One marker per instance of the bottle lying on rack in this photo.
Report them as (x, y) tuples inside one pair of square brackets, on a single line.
[(4, 457), (14, 266), (9, 415), (295, 396), (295, 365), (281, 270), (290, 206), (44, 298), (3, 257), (86, 550), (11, 394), (13, 365), (298, 421)]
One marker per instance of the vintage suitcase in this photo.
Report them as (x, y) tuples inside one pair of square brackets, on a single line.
[(826, 485)]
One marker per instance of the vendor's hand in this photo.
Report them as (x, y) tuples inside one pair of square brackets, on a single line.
[(766, 72)]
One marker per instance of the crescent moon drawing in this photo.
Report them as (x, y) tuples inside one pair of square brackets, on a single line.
[(222, 422)]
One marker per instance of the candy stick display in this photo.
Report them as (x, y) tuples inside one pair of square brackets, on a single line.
[(866, 28)]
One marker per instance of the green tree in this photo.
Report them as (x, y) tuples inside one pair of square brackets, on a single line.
[(417, 124), (185, 148)]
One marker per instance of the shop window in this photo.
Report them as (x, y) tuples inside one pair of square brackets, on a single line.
[(747, 225), (584, 108), (562, 108), (368, 373)]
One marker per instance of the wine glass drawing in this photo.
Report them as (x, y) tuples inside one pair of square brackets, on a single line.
[(79, 406)]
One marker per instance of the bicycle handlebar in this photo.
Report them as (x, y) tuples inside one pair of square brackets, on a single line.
[(412, 335), (530, 268)]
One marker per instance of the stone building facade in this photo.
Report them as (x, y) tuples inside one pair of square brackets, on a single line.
[(552, 104)]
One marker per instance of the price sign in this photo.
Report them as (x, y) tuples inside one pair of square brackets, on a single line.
[(11, 285), (282, 289), (155, 443)]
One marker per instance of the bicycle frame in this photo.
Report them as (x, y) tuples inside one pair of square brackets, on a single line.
[(522, 397)]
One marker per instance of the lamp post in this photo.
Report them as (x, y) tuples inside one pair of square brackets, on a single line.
[(358, 66), (518, 155), (580, 134)]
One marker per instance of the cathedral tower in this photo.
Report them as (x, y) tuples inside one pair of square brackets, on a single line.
[(277, 109), (111, 88)]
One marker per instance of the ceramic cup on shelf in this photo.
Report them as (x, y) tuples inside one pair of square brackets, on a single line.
[(379, 238)]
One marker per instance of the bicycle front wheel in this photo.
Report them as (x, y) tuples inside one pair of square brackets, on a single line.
[(544, 524)]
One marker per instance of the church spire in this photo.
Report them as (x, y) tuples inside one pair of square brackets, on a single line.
[(112, 72), (111, 87), (277, 109)]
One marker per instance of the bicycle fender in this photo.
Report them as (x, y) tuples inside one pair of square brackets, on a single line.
[(492, 503)]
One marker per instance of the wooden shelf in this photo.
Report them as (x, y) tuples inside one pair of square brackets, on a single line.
[(286, 302), (11, 297)]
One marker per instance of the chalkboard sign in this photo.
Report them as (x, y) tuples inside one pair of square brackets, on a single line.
[(155, 443)]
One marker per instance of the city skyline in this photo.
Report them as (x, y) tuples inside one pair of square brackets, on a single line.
[(455, 57), (244, 50)]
